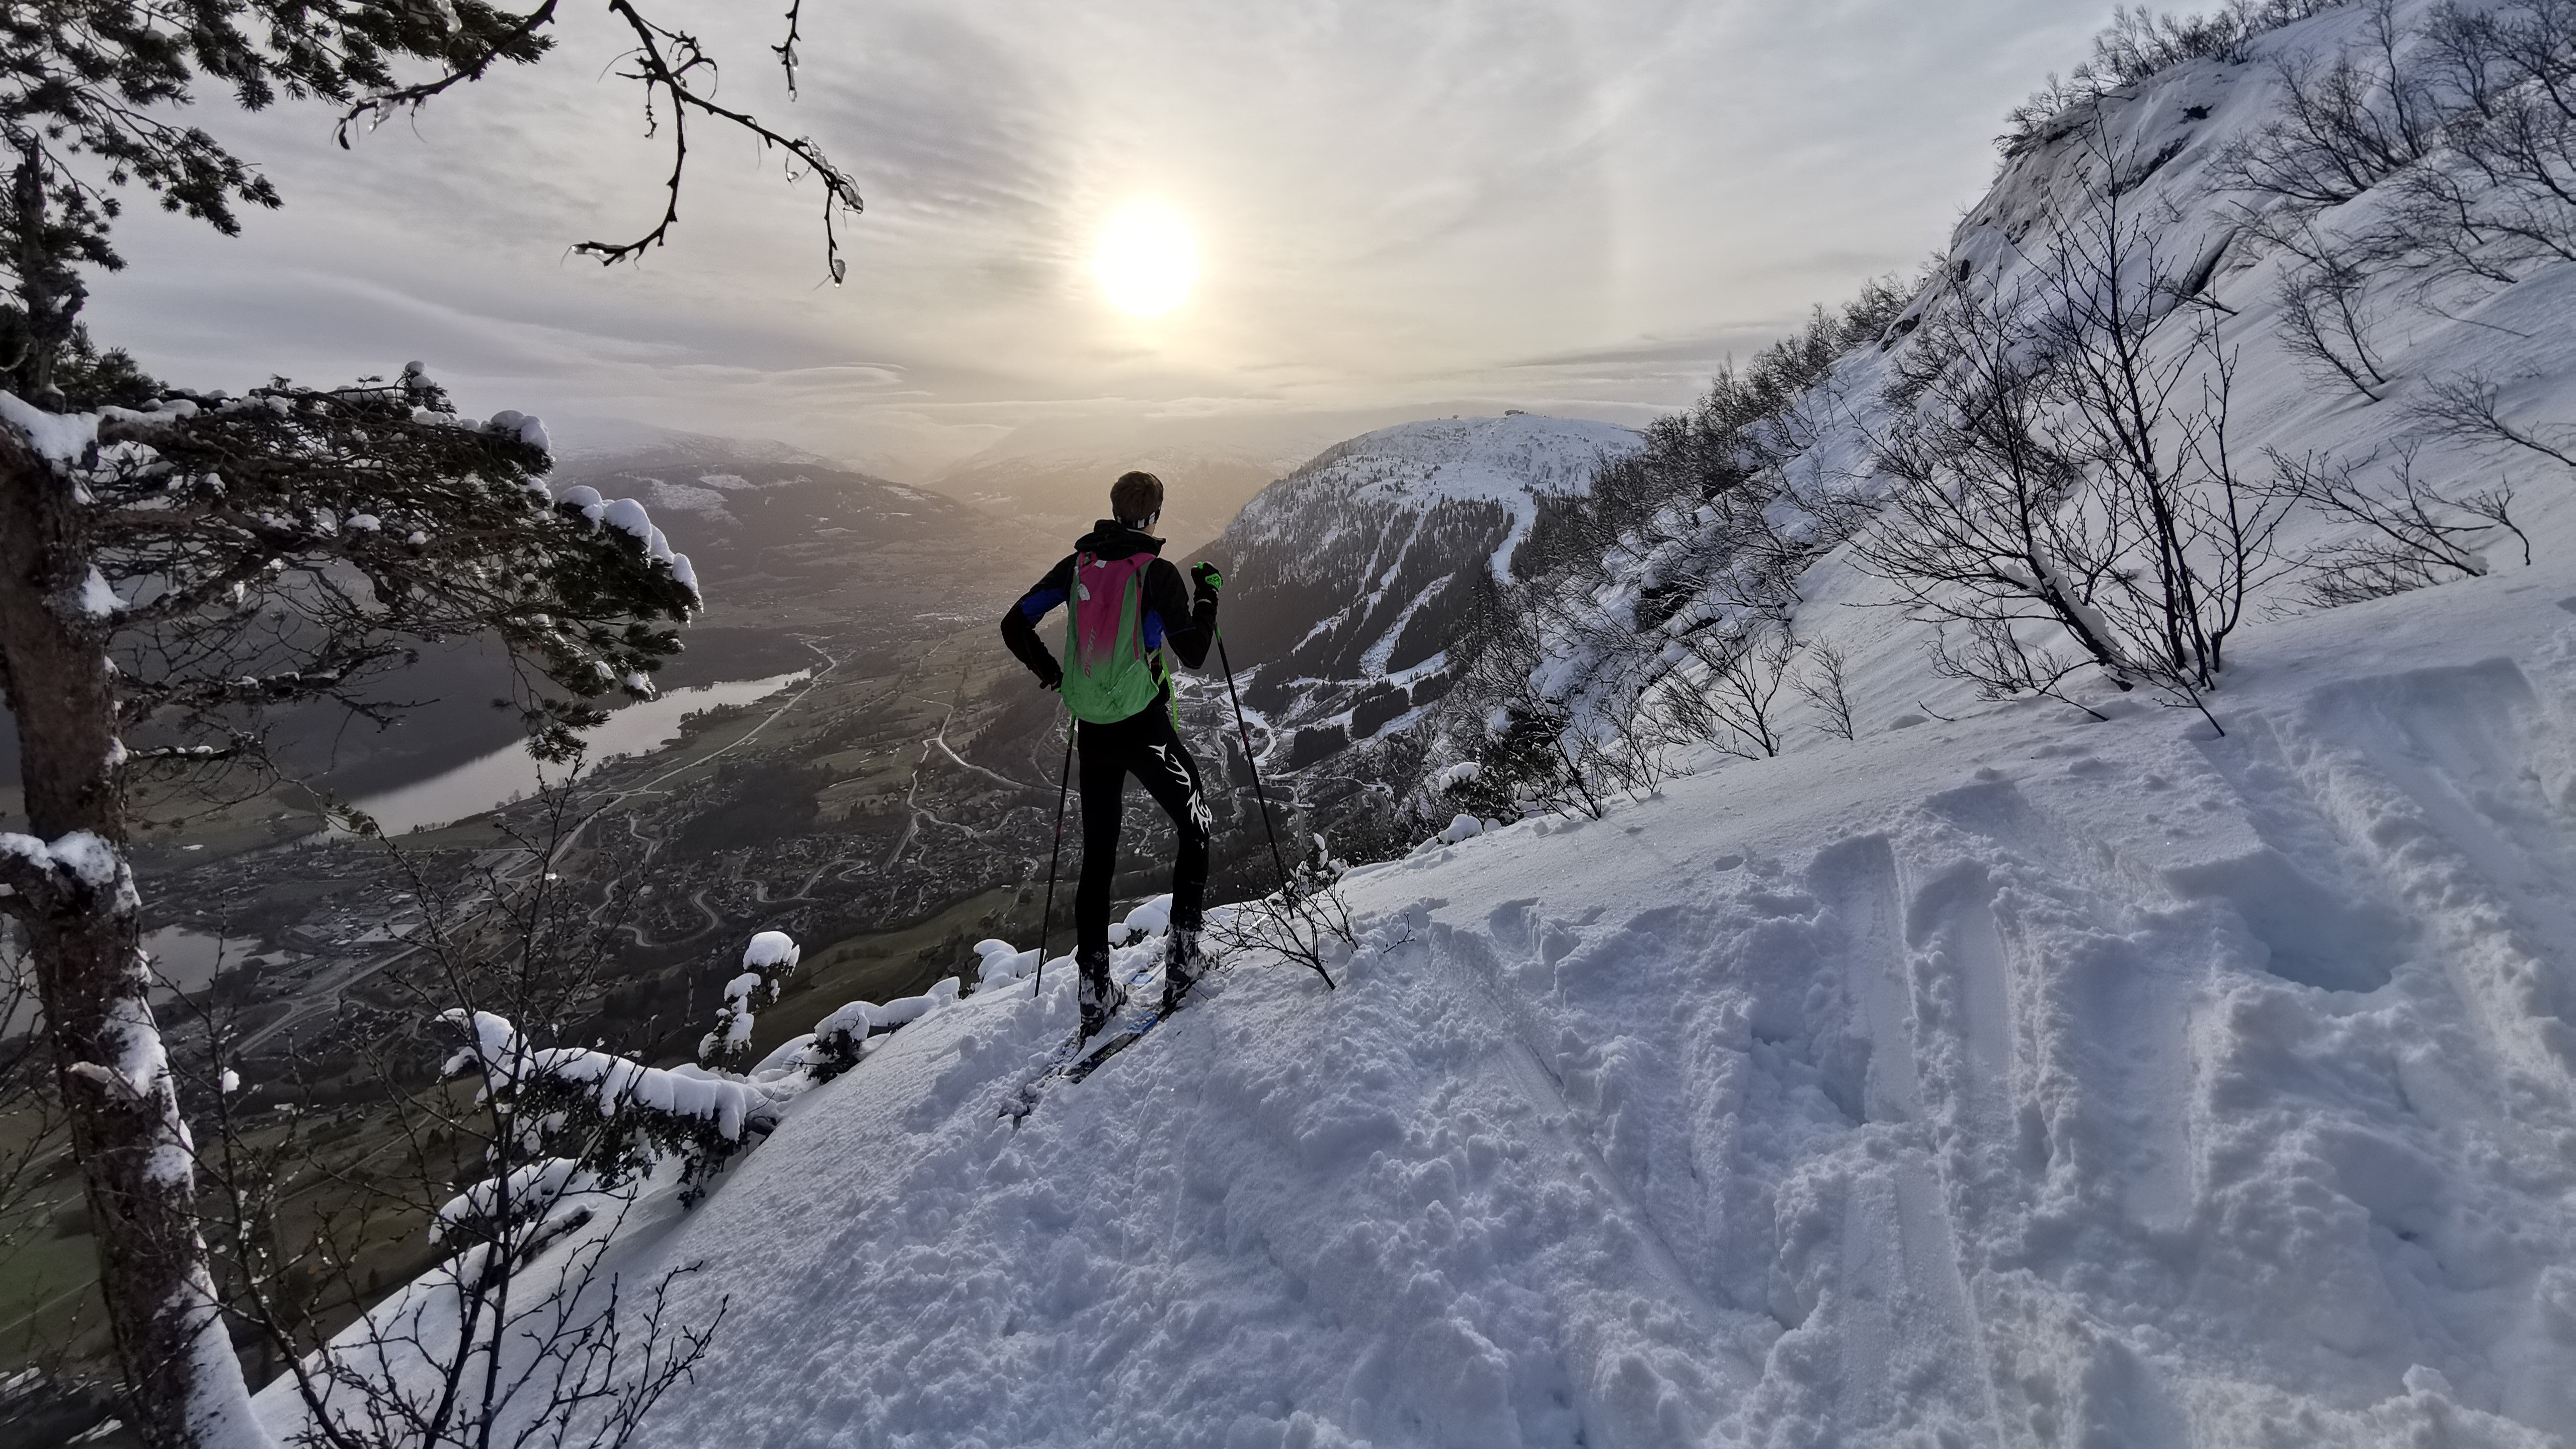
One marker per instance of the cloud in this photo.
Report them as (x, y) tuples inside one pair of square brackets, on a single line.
[(1571, 202)]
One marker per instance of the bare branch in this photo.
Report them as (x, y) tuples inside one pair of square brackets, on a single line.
[(2467, 408), (664, 62)]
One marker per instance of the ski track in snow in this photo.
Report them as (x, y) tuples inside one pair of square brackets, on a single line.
[(2023, 1081)]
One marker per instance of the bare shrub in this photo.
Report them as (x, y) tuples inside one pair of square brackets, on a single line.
[(1983, 530), (2408, 533), (2057, 463), (1823, 687), (2467, 125), (2468, 409), (1304, 921), (2501, 194), (2343, 126), (1521, 740), (1736, 705), (2327, 318)]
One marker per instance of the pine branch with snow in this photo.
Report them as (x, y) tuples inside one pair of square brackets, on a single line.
[(767, 963), (615, 1117)]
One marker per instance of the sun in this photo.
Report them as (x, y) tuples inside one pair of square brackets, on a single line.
[(1147, 261)]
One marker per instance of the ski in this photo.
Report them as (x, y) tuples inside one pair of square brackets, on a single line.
[(1090, 1062), (1024, 1099), (1078, 1070), (1079, 1058)]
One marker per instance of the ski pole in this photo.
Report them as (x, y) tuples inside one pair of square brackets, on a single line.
[(1046, 921), (1255, 765), (1258, 793)]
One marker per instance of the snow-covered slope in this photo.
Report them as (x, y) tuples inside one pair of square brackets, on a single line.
[(2024, 1080), (2145, 179), (2003, 1076), (1365, 560)]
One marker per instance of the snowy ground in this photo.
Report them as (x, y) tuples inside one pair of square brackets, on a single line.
[(2024, 1080), (2007, 1079)]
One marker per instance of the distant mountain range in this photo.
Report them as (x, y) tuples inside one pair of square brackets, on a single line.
[(1062, 494), (788, 546), (1055, 474)]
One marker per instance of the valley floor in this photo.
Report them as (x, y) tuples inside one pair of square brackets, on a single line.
[(2019, 1080)]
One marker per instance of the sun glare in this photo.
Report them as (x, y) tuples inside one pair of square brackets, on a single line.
[(1147, 260)]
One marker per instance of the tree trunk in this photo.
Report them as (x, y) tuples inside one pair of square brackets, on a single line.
[(77, 902)]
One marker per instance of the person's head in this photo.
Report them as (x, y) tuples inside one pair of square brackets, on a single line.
[(1136, 499)]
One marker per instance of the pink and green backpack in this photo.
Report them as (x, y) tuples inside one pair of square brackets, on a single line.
[(1108, 674)]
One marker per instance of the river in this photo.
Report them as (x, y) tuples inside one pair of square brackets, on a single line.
[(186, 960), (512, 773), (182, 960)]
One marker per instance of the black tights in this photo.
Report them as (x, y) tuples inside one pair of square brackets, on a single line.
[(1144, 745)]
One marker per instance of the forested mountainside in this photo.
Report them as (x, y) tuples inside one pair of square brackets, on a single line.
[(2280, 302), (1357, 569)]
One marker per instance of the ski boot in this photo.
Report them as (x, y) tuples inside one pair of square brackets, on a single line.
[(1100, 998), (1182, 965)]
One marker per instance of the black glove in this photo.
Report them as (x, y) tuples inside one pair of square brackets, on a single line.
[(1052, 679), (1210, 582)]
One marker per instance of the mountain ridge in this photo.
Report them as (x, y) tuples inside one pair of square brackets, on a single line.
[(1359, 561)]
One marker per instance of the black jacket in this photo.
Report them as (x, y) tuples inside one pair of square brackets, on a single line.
[(1169, 615)]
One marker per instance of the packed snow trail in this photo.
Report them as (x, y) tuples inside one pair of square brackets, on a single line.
[(2028, 1080)]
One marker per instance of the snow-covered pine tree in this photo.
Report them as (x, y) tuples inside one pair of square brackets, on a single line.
[(166, 575), (766, 964), (171, 563)]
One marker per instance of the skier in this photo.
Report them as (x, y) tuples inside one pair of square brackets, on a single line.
[(1126, 604)]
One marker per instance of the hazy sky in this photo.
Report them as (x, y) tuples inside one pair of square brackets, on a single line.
[(1567, 205)]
